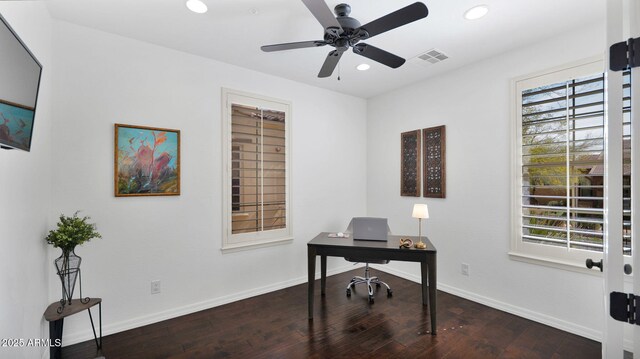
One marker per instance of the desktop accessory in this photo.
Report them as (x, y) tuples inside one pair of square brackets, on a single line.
[(338, 235), (405, 243)]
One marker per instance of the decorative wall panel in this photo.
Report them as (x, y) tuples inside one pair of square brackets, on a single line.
[(410, 164), (433, 140)]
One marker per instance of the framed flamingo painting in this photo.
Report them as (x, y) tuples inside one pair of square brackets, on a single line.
[(147, 161)]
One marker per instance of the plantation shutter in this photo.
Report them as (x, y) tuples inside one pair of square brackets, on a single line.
[(258, 169), (626, 158), (563, 164)]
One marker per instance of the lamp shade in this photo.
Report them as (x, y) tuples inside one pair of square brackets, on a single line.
[(420, 210)]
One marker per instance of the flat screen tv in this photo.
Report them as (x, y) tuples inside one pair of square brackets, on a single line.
[(20, 74)]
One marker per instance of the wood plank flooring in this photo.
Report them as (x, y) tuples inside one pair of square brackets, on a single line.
[(275, 325)]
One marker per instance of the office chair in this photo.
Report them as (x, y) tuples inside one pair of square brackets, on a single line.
[(370, 281)]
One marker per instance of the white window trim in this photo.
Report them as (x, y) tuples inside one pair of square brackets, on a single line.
[(558, 257), (237, 242)]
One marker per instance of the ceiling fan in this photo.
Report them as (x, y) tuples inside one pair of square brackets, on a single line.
[(344, 32)]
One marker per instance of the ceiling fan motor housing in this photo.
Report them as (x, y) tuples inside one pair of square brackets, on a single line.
[(348, 24), (351, 32)]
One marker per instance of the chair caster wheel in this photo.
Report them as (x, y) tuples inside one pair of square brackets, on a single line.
[(348, 292), (377, 285), (389, 293), (370, 299)]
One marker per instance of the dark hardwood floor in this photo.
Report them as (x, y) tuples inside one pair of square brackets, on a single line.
[(275, 325)]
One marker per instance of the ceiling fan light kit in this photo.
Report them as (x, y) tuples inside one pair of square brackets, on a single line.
[(197, 6), (343, 32)]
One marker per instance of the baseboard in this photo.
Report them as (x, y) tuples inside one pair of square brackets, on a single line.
[(74, 338), (505, 307)]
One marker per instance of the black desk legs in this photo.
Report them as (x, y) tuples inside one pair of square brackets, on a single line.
[(55, 334), (433, 291), (311, 276), (424, 276), (323, 274), (429, 287)]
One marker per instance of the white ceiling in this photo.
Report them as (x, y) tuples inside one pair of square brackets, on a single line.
[(232, 31)]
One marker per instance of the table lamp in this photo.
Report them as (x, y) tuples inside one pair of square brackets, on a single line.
[(420, 211)]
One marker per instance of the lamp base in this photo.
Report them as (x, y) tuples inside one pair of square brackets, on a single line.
[(420, 245)]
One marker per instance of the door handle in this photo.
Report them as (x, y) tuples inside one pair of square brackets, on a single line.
[(590, 264)]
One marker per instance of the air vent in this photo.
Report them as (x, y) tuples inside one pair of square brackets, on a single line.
[(433, 56)]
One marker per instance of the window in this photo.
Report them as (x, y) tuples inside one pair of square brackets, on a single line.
[(558, 199), (256, 183)]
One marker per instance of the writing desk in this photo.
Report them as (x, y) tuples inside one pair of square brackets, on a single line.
[(324, 246)]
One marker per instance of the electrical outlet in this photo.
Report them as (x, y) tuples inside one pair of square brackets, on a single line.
[(464, 269), (155, 286)]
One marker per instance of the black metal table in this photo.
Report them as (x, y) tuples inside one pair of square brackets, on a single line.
[(322, 245), (55, 317)]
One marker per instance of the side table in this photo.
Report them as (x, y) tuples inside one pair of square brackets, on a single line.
[(56, 321)]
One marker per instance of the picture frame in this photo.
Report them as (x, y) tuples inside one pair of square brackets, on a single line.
[(146, 161), (410, 163), (16, 125), (434, 162)]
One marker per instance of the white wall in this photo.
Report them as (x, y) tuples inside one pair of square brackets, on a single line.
[(102, 79), (472, 225), (25, 200)]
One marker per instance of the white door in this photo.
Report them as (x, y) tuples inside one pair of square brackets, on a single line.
[(623, 22)]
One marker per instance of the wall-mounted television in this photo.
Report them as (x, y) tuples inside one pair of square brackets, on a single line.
[(20, 74)]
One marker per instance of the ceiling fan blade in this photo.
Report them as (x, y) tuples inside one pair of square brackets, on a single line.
[(330, 63), (322, 13), (379, 55), (408, 14), (292, 45)]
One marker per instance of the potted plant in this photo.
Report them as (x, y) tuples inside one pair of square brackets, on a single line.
[(71, 231)]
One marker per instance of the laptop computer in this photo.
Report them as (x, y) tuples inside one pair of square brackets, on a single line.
[(370, 228)]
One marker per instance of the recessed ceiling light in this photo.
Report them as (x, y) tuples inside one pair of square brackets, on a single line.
[(476, 12), (197, 6), (254, 11), (363, 67)]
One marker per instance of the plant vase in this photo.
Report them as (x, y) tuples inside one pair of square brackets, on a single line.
[(68, 267)]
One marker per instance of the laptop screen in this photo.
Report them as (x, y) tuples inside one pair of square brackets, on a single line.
[(370, 228)]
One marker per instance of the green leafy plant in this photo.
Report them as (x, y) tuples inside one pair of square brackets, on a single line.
[(72, 231)]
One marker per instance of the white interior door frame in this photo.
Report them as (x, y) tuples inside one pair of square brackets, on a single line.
[(623, 22), (613, 338), (634, 28)]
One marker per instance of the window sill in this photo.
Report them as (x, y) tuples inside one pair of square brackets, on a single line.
[(554, 263), (238, 247)]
